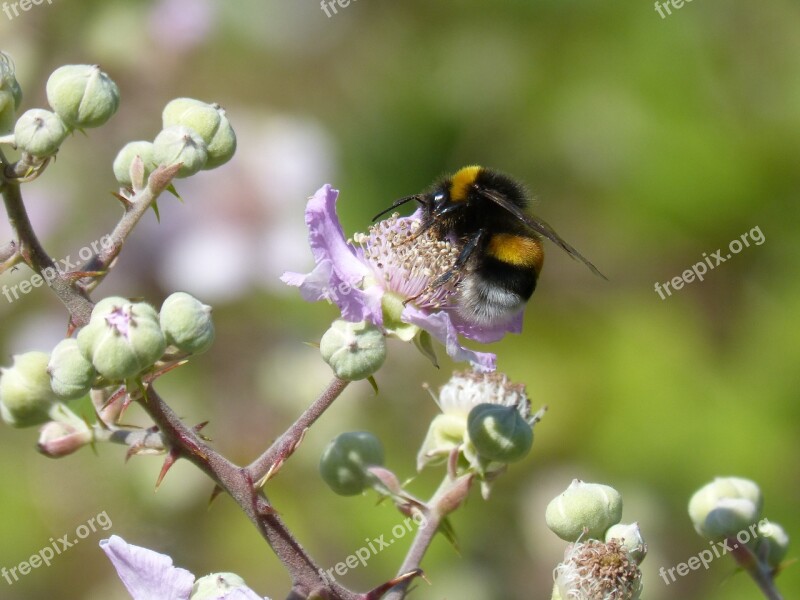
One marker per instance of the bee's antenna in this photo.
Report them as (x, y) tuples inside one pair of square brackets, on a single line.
[(397, 203)]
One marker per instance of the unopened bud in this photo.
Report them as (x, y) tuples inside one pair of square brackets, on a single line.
[(71, 375), (82, 95), (222, 146), (344, 462), (122, 338), (200, 117), (629, 535), (26, 398), (353, 350), (772, 543), (179, 144), (186, 323), (711, 512), (499, 433), (58, 439), (126, 156), (10, 94), (39, 132), (584, 510)]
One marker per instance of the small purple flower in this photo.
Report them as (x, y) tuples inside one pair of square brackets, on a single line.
[(371, 276), (148, 575)]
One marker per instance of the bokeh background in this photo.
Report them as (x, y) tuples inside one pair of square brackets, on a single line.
[(647, 141)]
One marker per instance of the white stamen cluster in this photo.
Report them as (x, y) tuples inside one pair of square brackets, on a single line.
[(467, 389), (595, 570), (409, 263)]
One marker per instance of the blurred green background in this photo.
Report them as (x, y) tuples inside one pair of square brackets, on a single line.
[(647, 141)]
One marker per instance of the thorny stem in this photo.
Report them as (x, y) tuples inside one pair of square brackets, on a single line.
[(759, 571), (272, 458), (450, 493), (135, 208), (31, 251), (173, 435), (239, 484), (142, 440)]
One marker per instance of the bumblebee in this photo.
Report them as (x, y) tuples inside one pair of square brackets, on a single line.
[(499, 245)]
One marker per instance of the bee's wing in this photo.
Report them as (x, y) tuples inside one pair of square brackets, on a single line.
[(540, 227)]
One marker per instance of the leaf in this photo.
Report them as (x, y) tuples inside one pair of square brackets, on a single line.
[(154, 206), (373, 383), (424, 343), (171, 189), (447, 530)]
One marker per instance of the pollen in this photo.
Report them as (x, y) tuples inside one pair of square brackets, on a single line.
[(409, 262)]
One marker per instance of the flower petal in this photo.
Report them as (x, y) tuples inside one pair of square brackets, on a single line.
[(339, 270), (489, 333), (440, 325), (147, 574)]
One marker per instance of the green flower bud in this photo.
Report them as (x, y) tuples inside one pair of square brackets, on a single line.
[(186, 323), (178, 144), (630, 537), (71, 375), (222, 146), (39, 132), (126, 156), (728, 517), (8, 78), (10, 94), (122, 338), (445, 434), (591, 506), (57, 439), (26, 398), (216, 585), (8, 113), (499, 433), (772, 543), (353, 350), (345, 460), (82, 95), (707, 499), (16, 91), (200, 117)]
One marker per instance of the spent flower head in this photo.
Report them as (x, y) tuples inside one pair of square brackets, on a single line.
[(385, 277), (595, 570), (466, 401)]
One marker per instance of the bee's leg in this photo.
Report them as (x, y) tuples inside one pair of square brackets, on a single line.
[(463, 256), (469, 247)]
